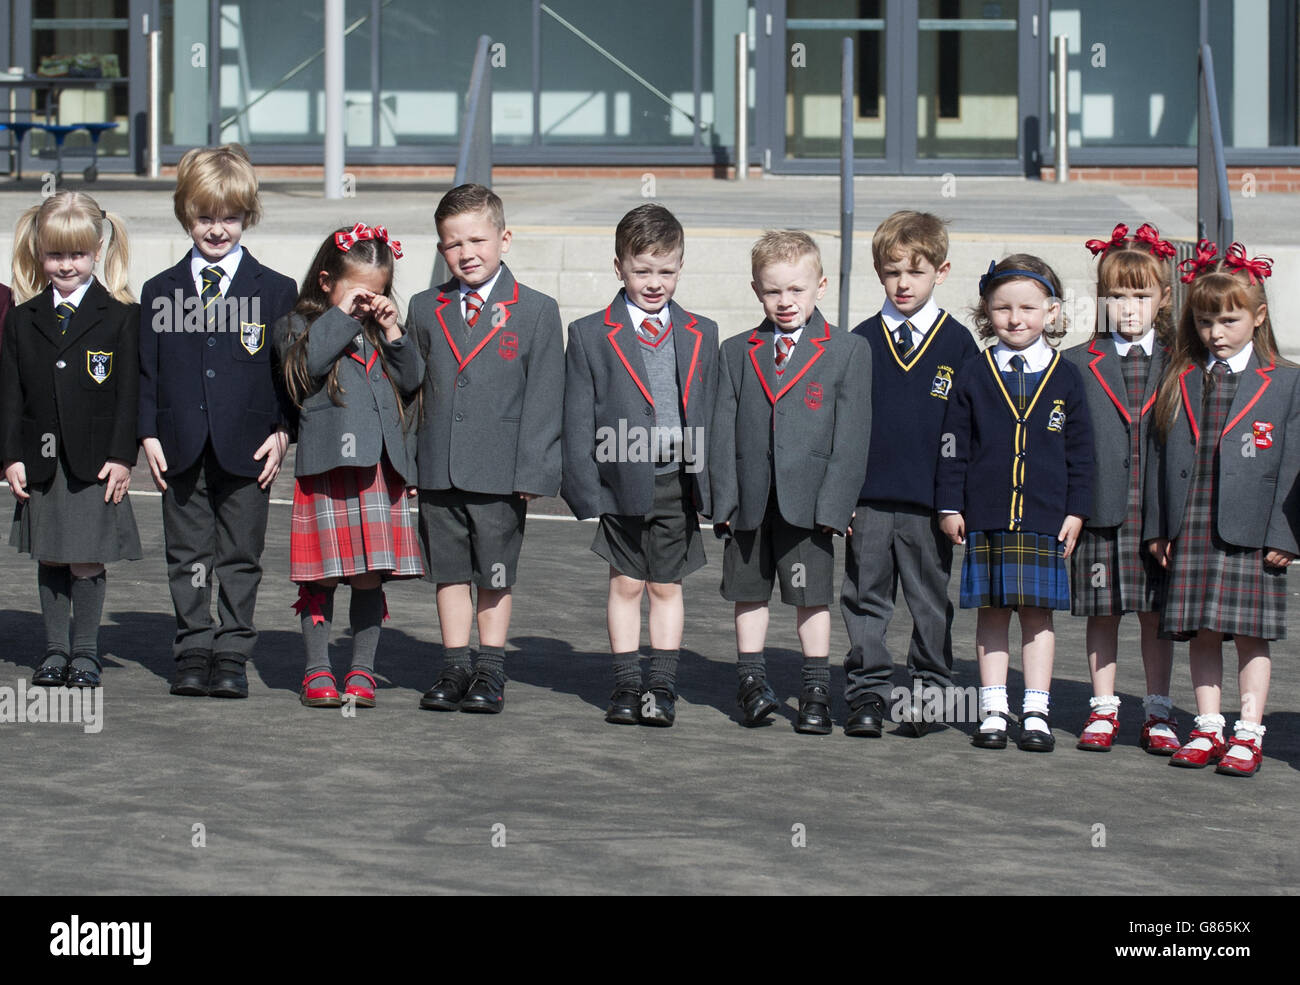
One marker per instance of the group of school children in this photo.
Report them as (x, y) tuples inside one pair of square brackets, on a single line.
[(1161, 458)]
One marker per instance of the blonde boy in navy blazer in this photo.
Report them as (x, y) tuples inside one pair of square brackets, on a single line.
[(787, 460), (639, 385), (489, 440)]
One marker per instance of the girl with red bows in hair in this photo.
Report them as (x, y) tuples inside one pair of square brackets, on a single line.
[(351, 370), (1221, 511), (1110, 572)]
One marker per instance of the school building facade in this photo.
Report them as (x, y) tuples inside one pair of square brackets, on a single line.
[(941, 86)]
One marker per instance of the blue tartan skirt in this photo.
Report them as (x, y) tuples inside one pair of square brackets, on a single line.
[(1005, 570)]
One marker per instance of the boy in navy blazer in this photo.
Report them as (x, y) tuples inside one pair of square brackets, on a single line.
[(787, 460), (489, 440), (916, 348), (214, 418), (639, 385)]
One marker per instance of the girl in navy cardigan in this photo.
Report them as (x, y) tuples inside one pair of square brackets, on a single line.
[(1014, 485), (1221, 507)]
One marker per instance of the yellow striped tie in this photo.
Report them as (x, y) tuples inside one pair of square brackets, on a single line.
[(64, 313)]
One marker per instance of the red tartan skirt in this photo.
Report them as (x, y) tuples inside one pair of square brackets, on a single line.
[(349, 521)]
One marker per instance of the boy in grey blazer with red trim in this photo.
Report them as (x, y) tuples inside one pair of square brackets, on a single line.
[(787, 461), (489, 440), (639, 386)]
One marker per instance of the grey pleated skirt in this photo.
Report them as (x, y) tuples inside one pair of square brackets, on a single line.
[(67, 522)]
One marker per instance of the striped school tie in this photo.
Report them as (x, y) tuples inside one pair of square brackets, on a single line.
[(211, 291), (473, 306), (784, 345), (1018, 365), (63, 314), (903, 341)]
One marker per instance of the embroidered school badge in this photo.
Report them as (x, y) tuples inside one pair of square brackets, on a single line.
[(99, 365), (252, 336), (508, 347), (1056, 419), (942, 383), (1263, 434), (812, 395)]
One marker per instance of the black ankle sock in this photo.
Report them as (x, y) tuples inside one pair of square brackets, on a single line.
[(627, 670), (491, 660), (663, 669), (751, 664), (456, 656), (816, 670)]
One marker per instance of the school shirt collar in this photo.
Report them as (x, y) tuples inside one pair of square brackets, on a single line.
[(922, 321), (75, 297), (1037, 356), (777, 333), (228, 264), (1122, 345), (638, 315), (484, 290), (1237, 363)]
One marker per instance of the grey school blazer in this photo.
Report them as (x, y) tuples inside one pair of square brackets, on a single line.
[(354, 435), (493, 394), (606, 387), (1259, 461), (815, 418), (1112, 428)]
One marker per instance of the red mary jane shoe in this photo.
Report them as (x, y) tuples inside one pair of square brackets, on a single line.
[(1198, 758), (324, 693), (1099, 741), (1159, 745), (361, 686), (1233, 766)]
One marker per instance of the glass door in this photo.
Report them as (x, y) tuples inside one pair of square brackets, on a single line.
[(939, 85)]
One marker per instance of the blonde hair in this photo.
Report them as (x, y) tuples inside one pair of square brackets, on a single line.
[(212, 180), (783, 246), (910, 234), (68, 222)]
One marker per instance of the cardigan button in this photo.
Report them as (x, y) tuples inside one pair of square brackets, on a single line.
[(60, 365), (211, 341)]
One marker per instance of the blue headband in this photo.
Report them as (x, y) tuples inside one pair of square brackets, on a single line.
[(991, 276)]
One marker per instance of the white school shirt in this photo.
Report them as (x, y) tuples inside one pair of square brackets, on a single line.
[(228, 264), (1037, 356), (483, 291), (1146, 343), (75, 297), (1237, 363), (922, 321)]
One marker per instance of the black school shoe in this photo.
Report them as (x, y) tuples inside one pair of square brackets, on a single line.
[(486, 694), (229, 680), (814, 710), (867, 718), (661, 711), (447, 690), (1031, 740), (624, 707), (83, 678), (52, 674), (193, 671), (992, 739), (756, 699)]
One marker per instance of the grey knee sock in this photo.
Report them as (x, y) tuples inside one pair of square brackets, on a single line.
[(663, 669), (748, 664), (87, 611), (627, 670), (491, 660), (316, 628), (816, 670), (366, 613), (54, 586), (456, 656)]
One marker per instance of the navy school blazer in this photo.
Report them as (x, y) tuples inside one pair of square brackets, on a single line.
[(1259, 461), (224, 385), (605, 386), (80, 386)]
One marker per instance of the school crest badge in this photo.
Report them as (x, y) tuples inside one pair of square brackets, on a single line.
[(99, 365), (252, 336), (508, 347), (1056, 419), (812, 395), (942, 383), (1263, 431)]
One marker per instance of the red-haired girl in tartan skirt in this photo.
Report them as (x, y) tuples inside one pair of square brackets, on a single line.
[(1014, 484), (351, 370), (1111, 573), (1221, 508)]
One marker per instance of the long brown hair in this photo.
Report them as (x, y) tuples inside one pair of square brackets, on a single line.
[(313, 302), (1218, 287), (1134, 266)]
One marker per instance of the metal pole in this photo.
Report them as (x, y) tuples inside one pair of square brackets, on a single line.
[(333, 99), (846, 177), (742, 106), (1062, 109), (153, 164)]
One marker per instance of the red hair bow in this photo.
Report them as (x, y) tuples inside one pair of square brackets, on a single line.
[(360, 231), (1117, 237), (1206, 254), (1257, 267), (1160, 248)]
